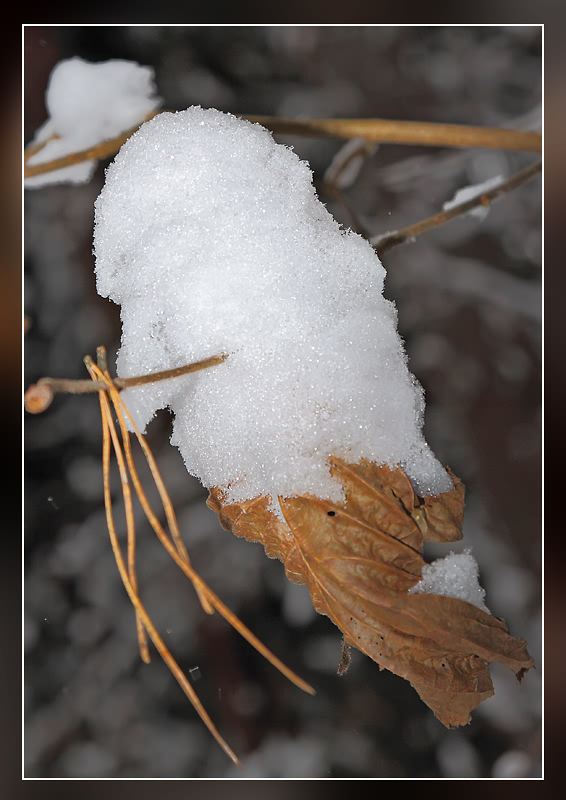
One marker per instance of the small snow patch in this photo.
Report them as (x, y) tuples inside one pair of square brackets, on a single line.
[(455, 575), (87, 104), (470, 193)]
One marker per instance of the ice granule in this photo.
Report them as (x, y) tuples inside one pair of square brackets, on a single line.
[(88, 103), (455, 575), (212, 239)]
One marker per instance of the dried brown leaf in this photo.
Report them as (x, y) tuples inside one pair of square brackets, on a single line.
[(440, 519), (359, 559)]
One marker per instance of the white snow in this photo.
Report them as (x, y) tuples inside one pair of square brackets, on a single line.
[(455, 575), (88, 103), (471, 192), (212, 239)]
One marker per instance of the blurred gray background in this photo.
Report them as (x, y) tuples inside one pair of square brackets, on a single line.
[(469, 303)]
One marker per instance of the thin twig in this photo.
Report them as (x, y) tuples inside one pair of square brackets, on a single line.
[(101, 150), (374, 130), (404, 132), (40, 395), (130, 525), (32, 150), (390, 240)]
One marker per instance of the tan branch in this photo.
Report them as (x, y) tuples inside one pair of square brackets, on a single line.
[(373, 130), (32, 150), (403, 132), (407, 234), (102, 150), (40, 395)]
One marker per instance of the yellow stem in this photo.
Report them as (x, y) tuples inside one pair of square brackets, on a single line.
[(387, 131), (131, 550), (392, 131), (109, 433)]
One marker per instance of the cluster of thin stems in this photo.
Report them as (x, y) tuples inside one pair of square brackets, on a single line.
[(110, 400)]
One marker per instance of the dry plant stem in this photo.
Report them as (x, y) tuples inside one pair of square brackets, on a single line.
[(130, 528), (163, 494), (186, 567), (109, 433), (405, 132), (373, 130), (102, 150), (37, 148), (131, 556), (39, 396), (363, 151), (391, 240)]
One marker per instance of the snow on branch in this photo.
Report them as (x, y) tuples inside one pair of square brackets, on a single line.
[(202, 218)]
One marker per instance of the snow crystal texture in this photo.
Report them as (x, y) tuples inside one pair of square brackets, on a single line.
[(87, 104), (455, 575), (212, 239)]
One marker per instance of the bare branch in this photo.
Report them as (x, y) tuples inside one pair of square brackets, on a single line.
[(404, 132), (102, 150), (40, 395), (373, 130), (390, 240), (32, 150)]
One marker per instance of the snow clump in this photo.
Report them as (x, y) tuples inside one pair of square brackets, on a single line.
[(212, 239), (88, 103), (455, 575), (470, 193)]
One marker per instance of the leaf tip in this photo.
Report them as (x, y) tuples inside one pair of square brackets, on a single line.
[(520, 674)]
